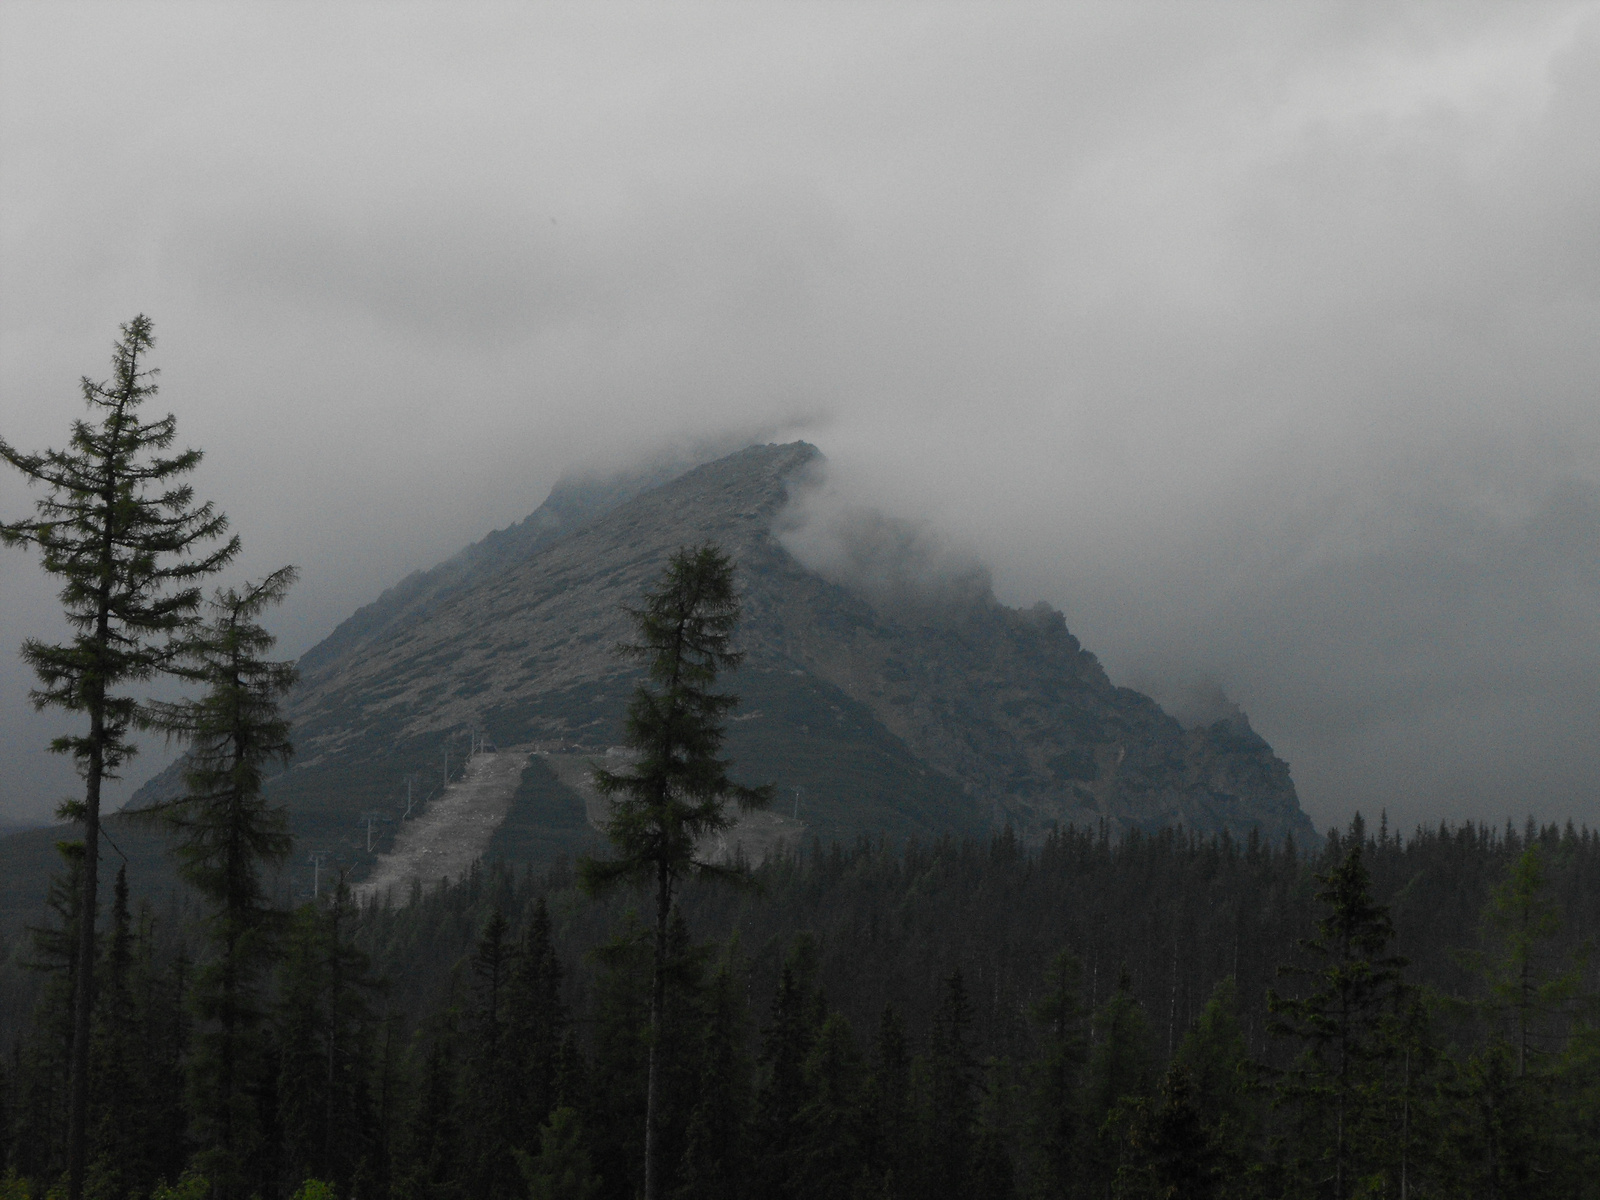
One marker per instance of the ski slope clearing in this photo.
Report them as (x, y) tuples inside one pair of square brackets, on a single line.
[(454, 830)]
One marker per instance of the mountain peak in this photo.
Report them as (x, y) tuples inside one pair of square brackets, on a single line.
[(875, 710)]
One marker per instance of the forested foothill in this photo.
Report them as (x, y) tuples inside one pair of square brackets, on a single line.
[(1154, 1016)]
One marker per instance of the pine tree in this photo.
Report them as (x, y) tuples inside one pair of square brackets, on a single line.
[(675, 795), (561, 1170), (225, 831), (1221, 1076), (1340, 1023), (162, 981), (127, 540), (1171, 1149), (620, 1067), (678, 1062)]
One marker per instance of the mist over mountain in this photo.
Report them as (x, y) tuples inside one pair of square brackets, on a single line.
[(885, 690)]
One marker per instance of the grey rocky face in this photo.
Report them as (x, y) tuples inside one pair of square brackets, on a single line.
[(885, 708)]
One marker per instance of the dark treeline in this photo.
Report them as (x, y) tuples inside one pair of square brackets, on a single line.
[(1157, 1016)]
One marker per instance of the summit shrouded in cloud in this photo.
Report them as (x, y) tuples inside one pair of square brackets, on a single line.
[(1261, 342)]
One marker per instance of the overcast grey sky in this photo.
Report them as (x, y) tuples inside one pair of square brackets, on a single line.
[(1261, 339)]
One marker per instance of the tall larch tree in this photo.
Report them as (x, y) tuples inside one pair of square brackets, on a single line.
[(676, 794), (129, 544)]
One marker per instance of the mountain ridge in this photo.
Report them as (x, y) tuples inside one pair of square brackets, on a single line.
[(991, 715)]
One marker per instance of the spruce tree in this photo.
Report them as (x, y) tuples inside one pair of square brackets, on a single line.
[(225, 832), (1118, 1076), (1340, 1023), (677, 791), (830, 1157), (716, 1152), (129, 543), (620, 1067), (1057, 1076), (953, 1093), (1172, 1150), (1222, 1077), (43, 1067), (536, 1023), (494, 1076), (432, 1165), (786, 1044), (888, 1128), (326, 1048), (120, 1149)]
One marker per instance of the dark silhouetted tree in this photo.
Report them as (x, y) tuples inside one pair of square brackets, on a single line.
[(225, 832), (1340, 1022), (677, 791), (128, 542), (1057, 1076)]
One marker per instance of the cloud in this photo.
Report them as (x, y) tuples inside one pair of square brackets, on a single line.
[(905, 568), (1261, 341)]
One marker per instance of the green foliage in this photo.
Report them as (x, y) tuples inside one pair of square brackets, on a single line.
[(716, 1139), (325, 1031), (1530, 993), (561, 1170), (315, 1189), (1339, 1081), (1055, 1120), (190, 1187), (1170, 1150), (953, 1089)]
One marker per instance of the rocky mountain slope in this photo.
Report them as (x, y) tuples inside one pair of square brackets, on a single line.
[(872, 719)]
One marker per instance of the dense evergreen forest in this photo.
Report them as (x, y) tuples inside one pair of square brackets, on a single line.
[(1160, 1015)]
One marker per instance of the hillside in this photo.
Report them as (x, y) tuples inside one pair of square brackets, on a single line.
[(873, 719)]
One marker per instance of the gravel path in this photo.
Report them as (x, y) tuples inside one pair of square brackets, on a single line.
[(454, 830)]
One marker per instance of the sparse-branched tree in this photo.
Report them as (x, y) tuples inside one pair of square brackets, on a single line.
[(677, 792), (129, 544)]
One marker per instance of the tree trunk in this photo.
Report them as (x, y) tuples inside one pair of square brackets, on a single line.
[(83, 993), (658, 991)]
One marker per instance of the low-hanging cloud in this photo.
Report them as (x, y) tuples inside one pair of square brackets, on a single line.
[(907, 569)]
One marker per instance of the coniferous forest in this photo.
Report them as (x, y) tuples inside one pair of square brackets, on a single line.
[(1156, 1016)]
